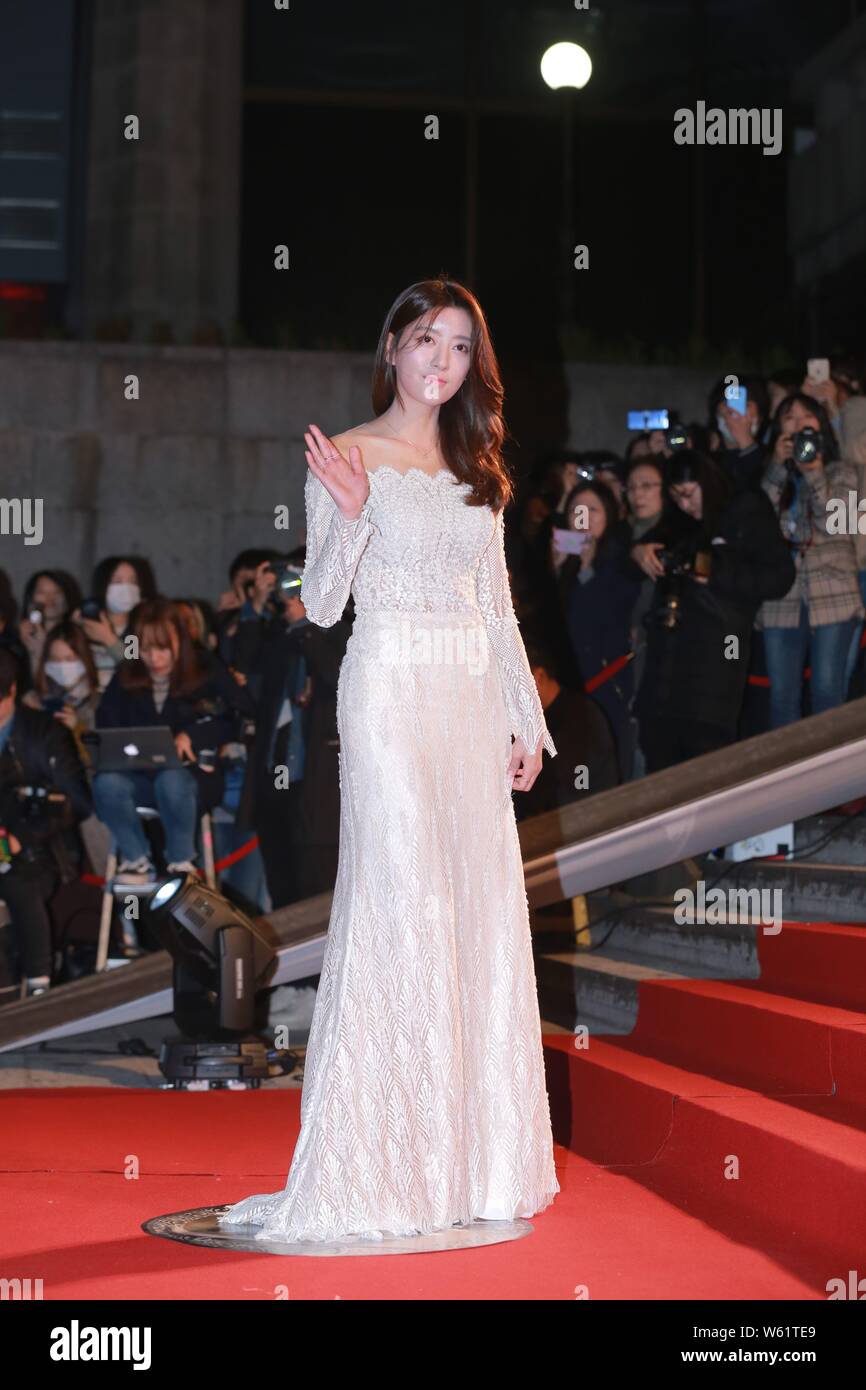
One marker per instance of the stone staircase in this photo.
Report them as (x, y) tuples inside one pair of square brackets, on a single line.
[(591, 977)]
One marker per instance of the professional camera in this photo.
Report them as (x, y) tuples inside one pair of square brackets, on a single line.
[(806, 445), (288, 581), (35, 814), (678, 563)]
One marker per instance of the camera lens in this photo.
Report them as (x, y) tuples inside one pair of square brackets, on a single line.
[(805, 445)]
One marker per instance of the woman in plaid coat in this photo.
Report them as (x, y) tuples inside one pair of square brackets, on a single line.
[(822, 610)]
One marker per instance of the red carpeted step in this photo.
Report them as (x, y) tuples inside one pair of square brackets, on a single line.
[(802, 1173), (773, 1043), (823, 961)]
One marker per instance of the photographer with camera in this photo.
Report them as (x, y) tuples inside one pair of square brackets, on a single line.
[(234, 604), (43, 796), (598, 590), (708, 588), (292, 668), (822, 610)]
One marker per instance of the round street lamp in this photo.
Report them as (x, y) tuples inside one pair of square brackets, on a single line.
[(567, 67)]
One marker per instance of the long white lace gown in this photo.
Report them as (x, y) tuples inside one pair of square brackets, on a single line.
[(424, 1101)]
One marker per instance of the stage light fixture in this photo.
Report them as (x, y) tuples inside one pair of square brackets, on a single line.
[(221, 963)]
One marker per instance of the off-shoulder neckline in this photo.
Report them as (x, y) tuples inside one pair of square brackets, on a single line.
[(404, 473)]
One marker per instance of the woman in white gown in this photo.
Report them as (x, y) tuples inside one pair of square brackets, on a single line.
[(424, 1102)]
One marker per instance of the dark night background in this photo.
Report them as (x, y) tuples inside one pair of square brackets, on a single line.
[(687, 247)]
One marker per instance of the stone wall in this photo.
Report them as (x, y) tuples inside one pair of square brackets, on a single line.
[(191, 472)]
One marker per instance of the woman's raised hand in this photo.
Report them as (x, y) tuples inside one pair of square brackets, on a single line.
[(345, 479)]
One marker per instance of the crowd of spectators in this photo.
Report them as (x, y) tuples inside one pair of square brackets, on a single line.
[(671, 600), (709, 583), (247, 688)]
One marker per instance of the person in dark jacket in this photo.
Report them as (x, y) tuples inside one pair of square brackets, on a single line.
[(10, 638), (586, 760), (599, 588), (654, 520), (708, 591), (292, 667), (43, 795), (171, 682), (742, 454)]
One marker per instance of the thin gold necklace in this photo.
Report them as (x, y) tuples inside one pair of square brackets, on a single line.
[(403, 440)]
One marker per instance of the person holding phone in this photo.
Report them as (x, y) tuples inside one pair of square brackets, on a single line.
[(120, 582), (49, 597), (739, 409), (822, 611), (832, 384)]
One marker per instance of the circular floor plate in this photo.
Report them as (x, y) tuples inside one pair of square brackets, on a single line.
[(199, 1226)]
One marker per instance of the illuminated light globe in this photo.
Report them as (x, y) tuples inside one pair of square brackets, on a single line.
[(566, 65)]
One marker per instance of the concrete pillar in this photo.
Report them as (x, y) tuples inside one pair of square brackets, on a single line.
[(162, 220)]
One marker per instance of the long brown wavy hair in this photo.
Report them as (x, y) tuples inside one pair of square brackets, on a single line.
[(471, 425)]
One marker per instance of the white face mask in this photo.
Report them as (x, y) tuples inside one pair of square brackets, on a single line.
[(65, 673), (722, 427), (122, 598)]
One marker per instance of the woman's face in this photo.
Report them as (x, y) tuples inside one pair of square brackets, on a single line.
[(124, 574), (59, 650), (49, 597), (640, 450), (644, 491), (433, 358), (158, 660), (596, 515), (797, 417), (689, 498)]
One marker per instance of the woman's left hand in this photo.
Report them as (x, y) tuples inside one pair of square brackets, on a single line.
[(99, 630), (524, 766), (66, 716), (184, 748)]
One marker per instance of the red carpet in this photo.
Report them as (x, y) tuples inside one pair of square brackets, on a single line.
[(767, 1075)]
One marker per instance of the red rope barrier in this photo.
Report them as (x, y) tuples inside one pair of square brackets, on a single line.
[(606, 673)]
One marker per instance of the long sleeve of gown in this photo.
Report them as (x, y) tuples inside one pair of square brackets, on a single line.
[(334, 547), (518, 684)]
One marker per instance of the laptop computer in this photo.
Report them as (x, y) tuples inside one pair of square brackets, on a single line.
[(148, 749)]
